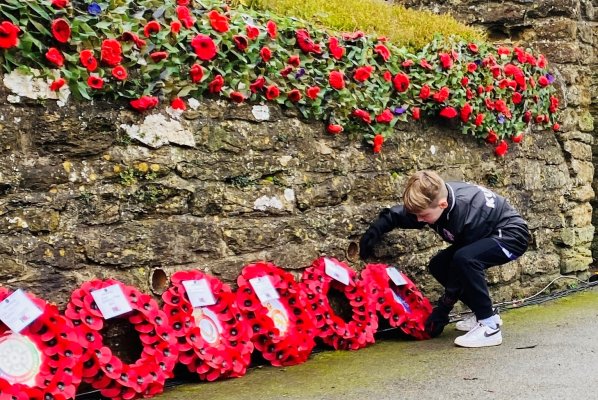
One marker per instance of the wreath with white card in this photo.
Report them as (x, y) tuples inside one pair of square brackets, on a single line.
[(325, 274), (90, 307), (275, 310), (397, 299), (39, 349), (213, 340)]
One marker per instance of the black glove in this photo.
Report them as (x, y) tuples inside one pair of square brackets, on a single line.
[(439, 318), (367, 243)]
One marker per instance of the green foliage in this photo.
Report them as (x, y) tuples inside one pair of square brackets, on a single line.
[(404, 27)]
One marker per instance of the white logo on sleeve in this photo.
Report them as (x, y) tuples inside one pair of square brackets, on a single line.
[(490, 197), (448, 235)]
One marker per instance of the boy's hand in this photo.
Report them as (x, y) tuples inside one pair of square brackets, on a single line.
[(367, 243), (436, 322)]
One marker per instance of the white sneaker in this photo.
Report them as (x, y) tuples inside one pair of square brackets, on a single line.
[(480, 336), (470, 322)]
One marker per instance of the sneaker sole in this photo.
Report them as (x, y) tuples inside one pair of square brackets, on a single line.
[(478, 345)]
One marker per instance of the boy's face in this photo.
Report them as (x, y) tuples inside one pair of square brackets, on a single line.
[(432, 213)]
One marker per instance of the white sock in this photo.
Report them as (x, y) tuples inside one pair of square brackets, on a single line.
[(489, 322), (496, 319)]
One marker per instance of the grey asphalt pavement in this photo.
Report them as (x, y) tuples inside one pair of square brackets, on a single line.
[(549, 351)]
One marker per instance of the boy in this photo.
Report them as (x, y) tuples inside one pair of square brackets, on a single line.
[(484, 231)]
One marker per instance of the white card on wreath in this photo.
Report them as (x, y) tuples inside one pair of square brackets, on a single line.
[(396, 276), (263, 288), (17, 311), (335, 271), (111, 301), (199, 293)]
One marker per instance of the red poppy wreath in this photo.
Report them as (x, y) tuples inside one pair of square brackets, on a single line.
[(40, 354), (397, 299), (328, 273), (213, 340), (275, 309), (96, 301)]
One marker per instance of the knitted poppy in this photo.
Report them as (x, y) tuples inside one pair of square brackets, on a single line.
[(252, 32), (317, 281), (401, 82), (95, 82), (272, 29), (57, 84), (272, 92), (266, 54), (216, 85), (184, 15), (240, 42), (401, 303), (61, 30), (158, 56), (213, 339), (336, 80), (8, 35), (119, 72), (144, 103), (334, 129), (305, 43), (107, 372), (336, 50), (151, 28), (218, 21), (312, 92), (382, 51), (111, 52), (204, 47), (378, 141), (178, 104), (196, 73), (363, 73), (281, 327), (55, 56)]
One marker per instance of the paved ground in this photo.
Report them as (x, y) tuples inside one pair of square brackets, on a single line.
[(549, 351)]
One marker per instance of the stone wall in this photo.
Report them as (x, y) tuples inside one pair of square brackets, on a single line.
[(566, 31), (215, 188), (92, 190)]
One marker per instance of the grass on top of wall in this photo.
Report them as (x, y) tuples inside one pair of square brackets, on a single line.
[(404, 27)]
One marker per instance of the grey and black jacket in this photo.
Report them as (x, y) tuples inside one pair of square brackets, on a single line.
[(473, 213)]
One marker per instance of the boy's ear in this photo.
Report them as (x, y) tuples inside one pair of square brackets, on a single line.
[(443, 203)]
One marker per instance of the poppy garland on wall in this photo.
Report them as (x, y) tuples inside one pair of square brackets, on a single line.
[(397, 299), (274, 306), (328, 273), (97, 301), (213, 339), (40, 355)]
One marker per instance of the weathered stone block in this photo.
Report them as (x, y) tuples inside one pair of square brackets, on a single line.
[(537, 262), (329, 193), (580, 216), (586, 121), (578, 150), (583, 193), (565, 8), (575, 259), (503, 273), (553, 29), (583, 170), (560, 52)]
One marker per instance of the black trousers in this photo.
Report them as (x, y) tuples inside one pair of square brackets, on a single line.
[(461, 269)]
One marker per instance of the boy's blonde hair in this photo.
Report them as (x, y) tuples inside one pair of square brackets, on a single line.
[(423, 190)]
